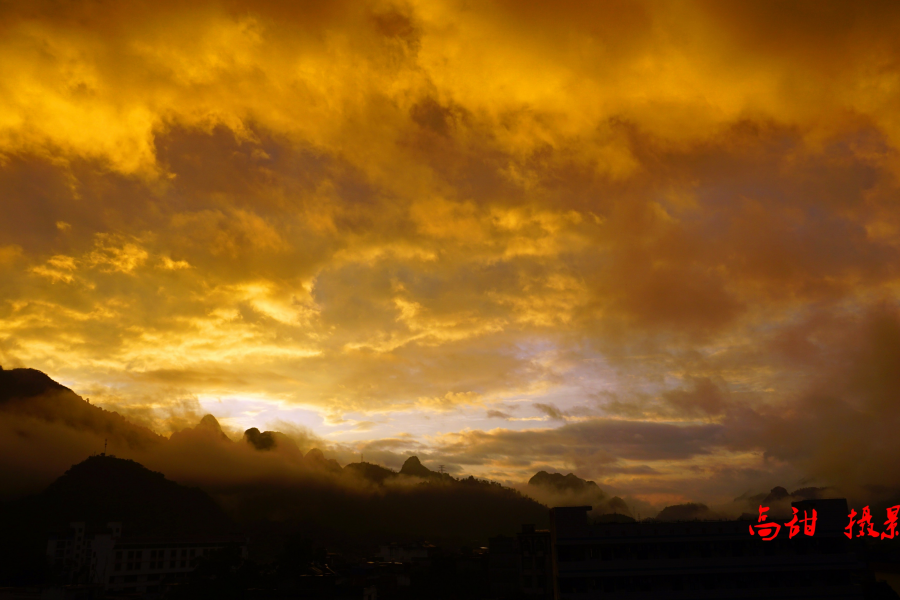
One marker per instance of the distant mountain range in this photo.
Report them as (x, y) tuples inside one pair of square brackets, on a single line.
[(35, 397), (556, 489), (310, 491), (564, 483), (412, 467), (31, 393), (280, 491)]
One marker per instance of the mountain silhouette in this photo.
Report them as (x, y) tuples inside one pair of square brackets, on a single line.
[(208, 427), (104, 488), (556, 489), (370, 472), (96, 491), (340, 514), (779, 500), (316, 458), (692, 511), (25, 383), (260, 441), (31, 393), (613, 518), (211, 425), (414, 468), (268, 487), (564, 483), (777, 494)]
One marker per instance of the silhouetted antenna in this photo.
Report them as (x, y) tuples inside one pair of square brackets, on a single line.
[(441, 469), (105, 441)]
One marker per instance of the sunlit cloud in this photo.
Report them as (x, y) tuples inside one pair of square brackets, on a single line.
[(428, 219)]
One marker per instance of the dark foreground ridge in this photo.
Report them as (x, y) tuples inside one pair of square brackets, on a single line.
[(25, 383), (31, 393), (96, 491), (105, 488)]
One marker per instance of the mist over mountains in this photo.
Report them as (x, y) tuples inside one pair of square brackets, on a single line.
[(264, 481), (555, 489), (263, 485), (266, 478)]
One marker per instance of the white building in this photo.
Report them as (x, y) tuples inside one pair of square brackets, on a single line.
[(115, 563)]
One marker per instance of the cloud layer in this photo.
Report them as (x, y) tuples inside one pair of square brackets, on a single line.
[(632, 241)]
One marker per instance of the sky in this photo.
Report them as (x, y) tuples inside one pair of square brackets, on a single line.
[(651, 243)]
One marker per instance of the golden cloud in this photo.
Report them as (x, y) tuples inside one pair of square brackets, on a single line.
[(362, 207)]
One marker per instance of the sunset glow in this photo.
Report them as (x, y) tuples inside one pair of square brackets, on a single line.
[(654, 244)]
